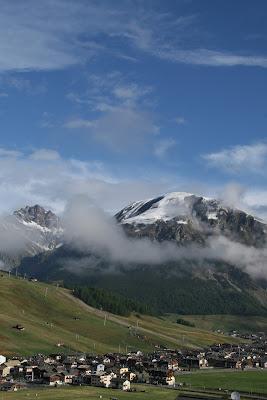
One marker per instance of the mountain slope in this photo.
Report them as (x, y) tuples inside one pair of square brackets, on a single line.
[(186, 287), (186, 218), (80, 327), (194, 285), (29, 231)]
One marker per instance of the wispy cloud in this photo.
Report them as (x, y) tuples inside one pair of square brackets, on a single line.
[(6, 153), (58, 34), (125, 121), (245, 158), (162, 147), (43, 176), (180, 120), (210, 58), (78, 123)]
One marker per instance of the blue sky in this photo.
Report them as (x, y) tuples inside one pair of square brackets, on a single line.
[(127, 99)]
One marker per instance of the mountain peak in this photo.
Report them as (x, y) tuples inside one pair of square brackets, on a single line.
[(39, 215), (186, 218), (165, 207)]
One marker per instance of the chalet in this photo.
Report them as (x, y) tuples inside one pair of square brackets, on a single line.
[(54, 379), (2, 359), (130, 376), (158, 377), (68, 377), (100, 368), (119, 383), (203, 362), (84, 369), (170, 378), (126, 386), (8, 367), (101, 379), (216, 362)]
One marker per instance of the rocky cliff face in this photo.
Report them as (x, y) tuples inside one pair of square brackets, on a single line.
[(37, 214), (29, 231), (186, 218)]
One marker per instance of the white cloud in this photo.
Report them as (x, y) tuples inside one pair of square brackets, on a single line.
[(210, 58), (131, 92), (79, 123), (48, 35), (163, 146), (124, 128), (180, 120), (6, 153), (124, 120), (87, 227), (45, 155), (44, 177), (245, 158)]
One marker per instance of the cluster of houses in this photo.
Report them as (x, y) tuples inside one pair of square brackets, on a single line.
[(120, 371)]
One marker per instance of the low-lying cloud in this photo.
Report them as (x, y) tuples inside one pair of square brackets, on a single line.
[(88, 228)]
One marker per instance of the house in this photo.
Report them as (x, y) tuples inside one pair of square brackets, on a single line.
[(130, 376), (121, 370), (2, 359), (170, 378), (126, 386), (100, 368), (173, 365), (158, 377), (101, 379), (68, 378), (7, 367), (54, 379), (203, 362), (119, 383)]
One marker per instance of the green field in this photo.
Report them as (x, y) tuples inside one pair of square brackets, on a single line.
[(248, 381), (37, 305), (226, 323), (92, 393)]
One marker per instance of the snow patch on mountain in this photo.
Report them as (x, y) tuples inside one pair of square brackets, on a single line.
[(164, 208), (29, 231)]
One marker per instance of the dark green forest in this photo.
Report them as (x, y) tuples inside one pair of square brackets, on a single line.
[(179, 287), (110, 301)]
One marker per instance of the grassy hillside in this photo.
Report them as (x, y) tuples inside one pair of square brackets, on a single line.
[(80, 327), (226, 323)]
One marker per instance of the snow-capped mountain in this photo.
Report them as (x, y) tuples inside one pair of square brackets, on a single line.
[(29, 231), (185, 217), (201, 285)]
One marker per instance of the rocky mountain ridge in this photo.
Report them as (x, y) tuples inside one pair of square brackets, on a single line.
[(201, 286), (186, 218), (27, 232)]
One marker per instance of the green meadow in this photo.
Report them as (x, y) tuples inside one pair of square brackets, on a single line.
[(248, 381), (53, 316)]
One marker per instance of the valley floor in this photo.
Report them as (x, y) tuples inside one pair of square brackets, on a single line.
[(203, 384), (92, 393), (250, 381)]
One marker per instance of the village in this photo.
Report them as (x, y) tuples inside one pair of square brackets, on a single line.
[(120, 371)]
